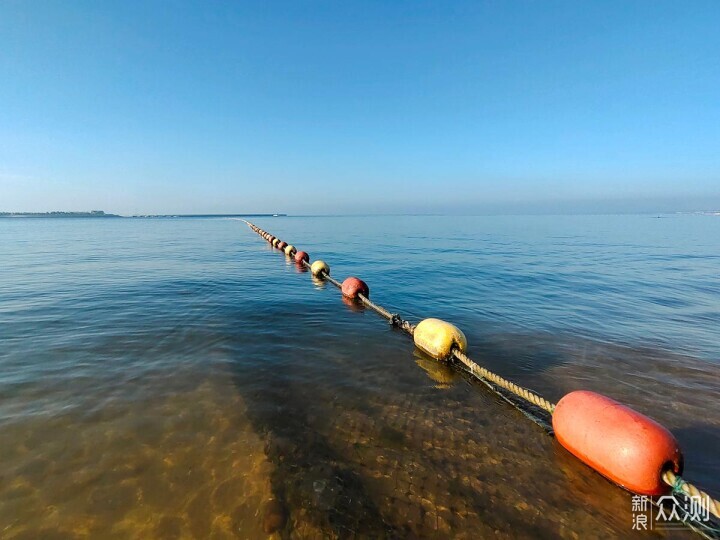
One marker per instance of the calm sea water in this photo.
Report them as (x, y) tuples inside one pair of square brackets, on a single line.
[(177, 378)]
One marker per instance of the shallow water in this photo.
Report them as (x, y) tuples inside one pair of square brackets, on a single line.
[(177, 378)]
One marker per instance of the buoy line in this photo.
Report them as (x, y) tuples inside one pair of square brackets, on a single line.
[(626, 447)]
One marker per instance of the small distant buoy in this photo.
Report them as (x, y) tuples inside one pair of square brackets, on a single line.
[(282, 245), (319, 267), (275, 242), (437, 338), (301, 256), (289, 250), (623, 445), (353, 286)]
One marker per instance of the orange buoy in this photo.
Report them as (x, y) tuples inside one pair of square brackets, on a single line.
[(353, 286), (301, 256), (282, 245), (621, 444)]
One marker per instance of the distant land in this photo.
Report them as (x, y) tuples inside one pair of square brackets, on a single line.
[(91, 214), (101, 214)]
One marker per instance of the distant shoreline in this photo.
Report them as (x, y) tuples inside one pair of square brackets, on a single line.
[(99, 214), (92, 214)]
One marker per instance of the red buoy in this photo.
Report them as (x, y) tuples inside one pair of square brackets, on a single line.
[(301, 256), (282, 245), (353, 286), (621, 444), (271, 239)]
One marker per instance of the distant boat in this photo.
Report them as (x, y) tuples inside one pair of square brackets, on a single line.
[(275, 215)]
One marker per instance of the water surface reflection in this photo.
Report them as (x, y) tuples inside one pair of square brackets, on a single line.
[(178, 380)]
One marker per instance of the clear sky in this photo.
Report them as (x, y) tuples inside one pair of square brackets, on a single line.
[(359, 107)]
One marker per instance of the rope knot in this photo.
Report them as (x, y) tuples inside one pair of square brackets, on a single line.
[(677, 485)]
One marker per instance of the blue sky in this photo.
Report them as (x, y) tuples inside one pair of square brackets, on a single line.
[(343, 107)]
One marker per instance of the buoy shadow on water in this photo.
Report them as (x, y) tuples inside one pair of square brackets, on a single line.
[(353, 305), (440, 373), (318, 283)]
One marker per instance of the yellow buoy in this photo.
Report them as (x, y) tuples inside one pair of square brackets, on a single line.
[(319, 267), (289, 250), (437, 338)]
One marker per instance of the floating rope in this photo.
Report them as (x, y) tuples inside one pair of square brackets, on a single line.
[(510, 386), (677, 484), (393, 318), (475, 369)]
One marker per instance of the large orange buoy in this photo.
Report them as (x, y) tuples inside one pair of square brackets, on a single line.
[(353, 286), (301, 256), (621, 444)]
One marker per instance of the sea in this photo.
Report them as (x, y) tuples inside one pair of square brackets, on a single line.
[(178, 378)]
